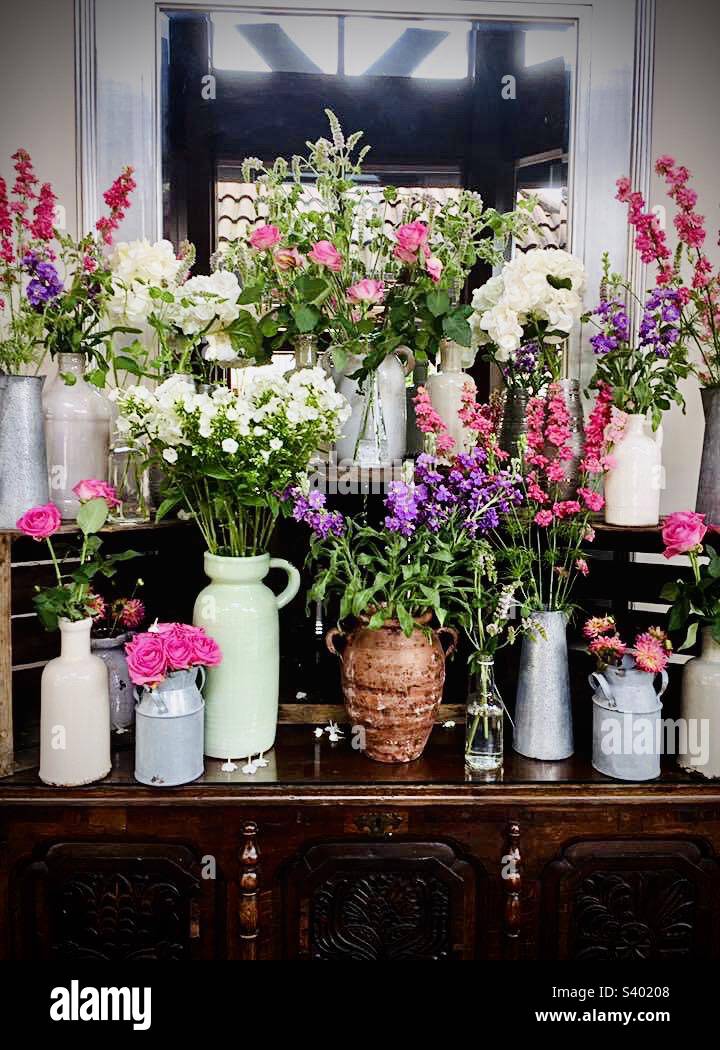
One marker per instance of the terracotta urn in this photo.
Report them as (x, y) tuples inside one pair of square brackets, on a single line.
[(392, 684)]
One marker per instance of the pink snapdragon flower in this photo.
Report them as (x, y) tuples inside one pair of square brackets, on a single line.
[(324, 253), (265, 237), (117, 199)]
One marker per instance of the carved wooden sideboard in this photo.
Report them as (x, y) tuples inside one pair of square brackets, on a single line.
[(326, 855)]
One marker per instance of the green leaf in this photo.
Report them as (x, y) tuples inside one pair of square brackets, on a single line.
[(377, 620), (306, 317), (559, 282), (97, 377), (168, 504), (670, 592), (406, 621), (690, 637), (438, 302), (252, 294), (456, 328), (92, 515), (127, 364)]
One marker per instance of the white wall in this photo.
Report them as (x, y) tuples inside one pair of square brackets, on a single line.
[(37, 88), (686, 124)]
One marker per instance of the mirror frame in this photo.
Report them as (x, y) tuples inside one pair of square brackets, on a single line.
[(119, 108)]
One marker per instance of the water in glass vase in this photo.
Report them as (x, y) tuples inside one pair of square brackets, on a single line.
[(484, 723)]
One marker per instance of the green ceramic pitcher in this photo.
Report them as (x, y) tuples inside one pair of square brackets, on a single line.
[(241, 614)]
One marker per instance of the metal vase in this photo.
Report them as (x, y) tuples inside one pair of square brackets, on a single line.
[(23, 455), (122, 700), (627, 737), (169, 731), (514, 421), (573, 402), (708, 494), (543, 715)]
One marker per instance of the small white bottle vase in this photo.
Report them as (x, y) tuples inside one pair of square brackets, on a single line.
[(77, 429), (74, 712), (633, 486), (446, 392), (700, 710)]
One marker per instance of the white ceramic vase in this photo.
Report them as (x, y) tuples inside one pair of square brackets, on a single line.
[(445, 389), (77, 429), (74, 712), (633, 486), (701, 703), (376, 432), (241, 614)]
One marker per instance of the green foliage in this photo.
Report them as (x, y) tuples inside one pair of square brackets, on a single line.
[(695, 603)]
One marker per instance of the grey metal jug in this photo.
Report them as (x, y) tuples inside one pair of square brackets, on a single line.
[(169, 731), (627, 728), (23, 454), (122, 695), (543, 715)]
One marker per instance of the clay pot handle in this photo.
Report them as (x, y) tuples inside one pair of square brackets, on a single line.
[(330, 637), (453, 635)]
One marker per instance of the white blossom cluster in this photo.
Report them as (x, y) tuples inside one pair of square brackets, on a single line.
[(270, 417), (521, 295)]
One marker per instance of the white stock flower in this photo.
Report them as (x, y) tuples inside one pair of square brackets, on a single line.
[(170, 455), (230, 445)]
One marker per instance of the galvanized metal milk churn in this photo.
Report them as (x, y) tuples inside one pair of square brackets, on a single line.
[(627, 725), (169, 731)]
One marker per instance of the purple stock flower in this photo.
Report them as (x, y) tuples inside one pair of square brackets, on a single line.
[(660, 320), (615, 326), (311, 510), (45, 284)]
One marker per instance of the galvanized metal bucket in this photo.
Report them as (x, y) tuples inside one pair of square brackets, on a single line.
[(169, 731), (23, 454), (543, 713), (627, 726)]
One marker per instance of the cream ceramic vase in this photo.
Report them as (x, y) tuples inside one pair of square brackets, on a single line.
[(74, 712), (77, 429), (633, 486), (700, 709), (241, 614), (445, 389)]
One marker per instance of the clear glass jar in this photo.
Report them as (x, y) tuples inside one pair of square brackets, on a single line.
[(130, 477), (305, 350), (484, 722)]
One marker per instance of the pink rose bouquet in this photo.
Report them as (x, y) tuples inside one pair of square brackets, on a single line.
[(169, 647), (73, 598)]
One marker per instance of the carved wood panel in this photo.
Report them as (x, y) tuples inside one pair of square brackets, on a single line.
[(115, 902), (380, 901), (631, 899)]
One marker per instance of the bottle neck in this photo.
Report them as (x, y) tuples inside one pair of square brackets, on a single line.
[(710, 648), (72, 363), (75, 639), (450, 356)]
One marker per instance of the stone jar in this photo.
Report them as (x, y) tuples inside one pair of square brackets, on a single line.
[(392, 684), (446, 389)]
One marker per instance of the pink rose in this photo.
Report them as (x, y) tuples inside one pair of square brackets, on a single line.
[(683, 532), (147, 661), (288, 259), (264, 237), (206, 650), (366, 291), (326, 254), (434, 268), (40, 522), (410, 237), (91, 488), (179, 644)]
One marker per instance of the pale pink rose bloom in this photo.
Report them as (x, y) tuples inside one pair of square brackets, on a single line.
[(91, 488), (683, 532), (288, 259), (434, 268), (326, 254), (366, 291), (411, 236), (264, 237), (40, 522)]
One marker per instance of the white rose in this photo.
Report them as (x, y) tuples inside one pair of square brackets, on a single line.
[(155, 264), (230, 445), (170, 455)]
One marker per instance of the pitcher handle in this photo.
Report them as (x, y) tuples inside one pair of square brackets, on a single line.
[(663, 683), (330, 637), (453, 635), (598, 682), (203, 676), (293, 585), (407, 357)]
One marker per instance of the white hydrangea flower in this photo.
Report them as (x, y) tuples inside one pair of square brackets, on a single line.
[(154, 264), (209, 301)]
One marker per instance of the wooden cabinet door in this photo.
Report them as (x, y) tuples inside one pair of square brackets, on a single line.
[(631, 899), (114, 902), (380, 901)]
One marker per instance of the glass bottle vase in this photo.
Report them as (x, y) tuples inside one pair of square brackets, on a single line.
[(128, 474), (484, 722)]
